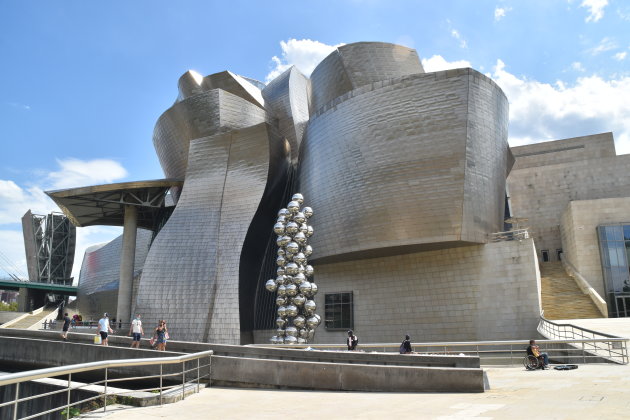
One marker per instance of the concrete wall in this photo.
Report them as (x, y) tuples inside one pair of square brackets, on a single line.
[(579, 234), (481, 292), (547, 176)]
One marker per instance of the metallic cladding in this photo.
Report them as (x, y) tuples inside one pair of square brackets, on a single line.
[(403, 162)]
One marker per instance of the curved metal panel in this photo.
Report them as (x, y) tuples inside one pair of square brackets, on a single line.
[(406, 163), (194, 260), (359, 64)]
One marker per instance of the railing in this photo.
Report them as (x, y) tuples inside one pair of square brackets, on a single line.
[(116, 326), (511, 235), (596, 344), (499, 353), (19, 378)]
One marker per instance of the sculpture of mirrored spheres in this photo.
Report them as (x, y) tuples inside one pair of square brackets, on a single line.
[(296, 319)]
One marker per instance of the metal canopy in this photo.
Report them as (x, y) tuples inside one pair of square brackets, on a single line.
[(105, 204)]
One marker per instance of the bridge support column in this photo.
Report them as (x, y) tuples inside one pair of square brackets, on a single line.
[(127, 258)]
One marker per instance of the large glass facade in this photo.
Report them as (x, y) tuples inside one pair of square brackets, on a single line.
[(614, 246)]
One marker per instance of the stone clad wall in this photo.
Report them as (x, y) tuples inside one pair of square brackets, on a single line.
[(479, 292), (541, 189), (579, 235)]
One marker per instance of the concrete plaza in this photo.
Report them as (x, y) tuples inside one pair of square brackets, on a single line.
[(595, 391)]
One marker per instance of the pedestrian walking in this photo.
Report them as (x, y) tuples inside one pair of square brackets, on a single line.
[(66, 326), (161, 335), (136, 330), (104, 329)]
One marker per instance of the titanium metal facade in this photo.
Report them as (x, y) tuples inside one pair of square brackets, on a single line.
[(398, 164)]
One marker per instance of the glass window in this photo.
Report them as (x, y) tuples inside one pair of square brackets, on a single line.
[(626, 232), (339, 311)]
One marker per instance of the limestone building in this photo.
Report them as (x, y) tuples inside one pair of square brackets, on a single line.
[(406, 171)]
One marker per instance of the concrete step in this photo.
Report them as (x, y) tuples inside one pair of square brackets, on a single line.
[(561, 297)]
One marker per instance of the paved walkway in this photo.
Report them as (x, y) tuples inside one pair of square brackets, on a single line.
[(589, 392)]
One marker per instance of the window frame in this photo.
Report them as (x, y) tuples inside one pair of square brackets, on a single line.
[(341, 304)]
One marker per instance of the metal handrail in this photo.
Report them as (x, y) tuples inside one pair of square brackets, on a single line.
[(20, 377), (507, 350)]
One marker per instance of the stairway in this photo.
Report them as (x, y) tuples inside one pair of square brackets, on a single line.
[(31, 320), (561, 296)]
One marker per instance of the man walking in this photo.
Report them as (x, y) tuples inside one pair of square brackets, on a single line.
[(66, 326), (137, 331), (104, 328)]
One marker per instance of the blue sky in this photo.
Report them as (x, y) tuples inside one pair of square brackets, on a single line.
[(83, 82)]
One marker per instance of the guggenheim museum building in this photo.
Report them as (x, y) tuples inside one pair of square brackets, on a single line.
[(416, 198)]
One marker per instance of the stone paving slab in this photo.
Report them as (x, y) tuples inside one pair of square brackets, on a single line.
[(590, 392)]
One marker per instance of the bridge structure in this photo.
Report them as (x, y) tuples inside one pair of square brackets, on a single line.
[(59, 289)]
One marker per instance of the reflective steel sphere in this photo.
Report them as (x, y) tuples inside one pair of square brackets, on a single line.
[(300, 238), (299, 218), (298, 197), (281, 322), (291, 289), (291, 311), (283, 240), (319, 319), (309, 271), (288, 256), (293, 247), (279, 228), (292, 228), (280, 332), (301, 269), (299, 258), (299, 321), (313, 289), (291, 268), (283, 212), (281, 219), (308, 250), (310, 307), (290, 340), (312, 322), (303, 333), (303, 228), (281, 261), (280, 271), (305, 288), (280, 252), (311, 334), (293, 207), (282, 312), (299, 278), (282, 291), (271, 285), (274, 339), (291, 331), (302, 340), (281, 301), (309, 231), (308, 212), (298, 300)]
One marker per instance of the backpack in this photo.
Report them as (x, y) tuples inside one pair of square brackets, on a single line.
[(402, 350)]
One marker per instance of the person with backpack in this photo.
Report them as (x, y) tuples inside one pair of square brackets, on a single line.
[(352, 341), (405, 346)]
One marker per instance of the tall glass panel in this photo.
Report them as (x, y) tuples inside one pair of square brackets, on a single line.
[(614, 242)]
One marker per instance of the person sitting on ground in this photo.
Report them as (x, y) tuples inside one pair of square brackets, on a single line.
[(352, 341), (534, 350), (405, 346)]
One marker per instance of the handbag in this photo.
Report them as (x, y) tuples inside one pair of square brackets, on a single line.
[(152, 341), (166, 336), (97, 339)]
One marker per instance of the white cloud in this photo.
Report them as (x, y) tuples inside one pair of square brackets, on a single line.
[(15, 200), (595, 9), (305, 54), (438, 63), (12, 255), (462, 42), (79, 173), (499, 12), (606, 44), (577, 66), (19, 106), (620, 56), (541, 111)]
